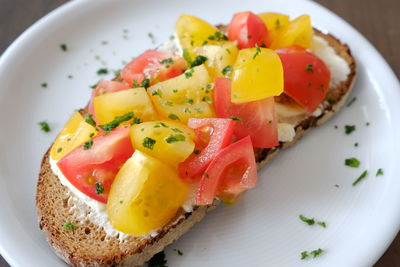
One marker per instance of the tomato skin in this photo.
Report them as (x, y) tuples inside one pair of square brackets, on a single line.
[(308, 86), (230, 173), (248, 29), (104, 87), (148, 65), (257, 118), (98, 164), (212, 135)]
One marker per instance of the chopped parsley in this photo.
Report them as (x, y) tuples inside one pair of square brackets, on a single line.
[(87, 145), (44, 85), (311, 221), (44, 126), (167, 61), (206, 175), (176, 130), (173, 117), (99, 188), (175, 91), (351, 101), (379, 172), (145, 83), (116, 122), (158, 125), (157, 92), (227, 70), (158, 260), (196, 151), (356, 144), (235, 118), (102, 71), (331, 101), (175, 138), (352, 162), (70, 76), (169, 103), (207, 99), (189, 73), (362, 176), (91, 135), (277, 23), (198, 61), (152, 38), (149, 143), (309, 68), (304, 255), (89, 119), (367, 124), (307, 220), (93, 86), (59, 149), (348, 129), (180, 253), (136, 120), (258, 51), (69, 226), (316, 253), (64, 47), (218, 36)]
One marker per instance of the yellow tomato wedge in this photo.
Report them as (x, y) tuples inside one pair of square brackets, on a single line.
[(297, 32), (193, 31), (185, 96), (135, 100), (145, 195), (169, 141), (257, 74), (75, 132), (220, 58), (274, 22)]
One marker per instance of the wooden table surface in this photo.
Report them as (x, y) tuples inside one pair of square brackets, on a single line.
[(379, 21)]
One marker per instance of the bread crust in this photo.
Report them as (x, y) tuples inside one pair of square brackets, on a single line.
[(88, 244)]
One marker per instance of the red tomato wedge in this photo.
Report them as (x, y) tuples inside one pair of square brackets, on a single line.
[(306, 77), (248, 29), (256, 119), (104, 87), (93, 170), (212, 135), (230, 173), (154, 65)]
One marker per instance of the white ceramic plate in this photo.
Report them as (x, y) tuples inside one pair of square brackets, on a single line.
[(263, 229)]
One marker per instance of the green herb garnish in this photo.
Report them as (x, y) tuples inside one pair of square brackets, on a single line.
[(64, 47), (189, 73), (59, 149), (227, 70), (99, 188), (351, 101), (198, 61), (196, 151), (218, 36), (309, 68), (44, 126), (323, 224), (167, 61), (69, 226), (258, 51), (152, 38), (44, 85), (304, 255), (173, 117), (149, 143), (352, 162), (175, 138), (102, 71), (348, 129), (235, 118), (316, 252), (176, 130), (362, 176), (379, 172), (307, 220), (136, 120), (116, 122), (87, 145), (89, 119)]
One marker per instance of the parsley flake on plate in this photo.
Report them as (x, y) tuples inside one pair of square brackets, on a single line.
[(158, 260), (44, 126), (348, 129), (362, 176), (379, 172), (352, 162)]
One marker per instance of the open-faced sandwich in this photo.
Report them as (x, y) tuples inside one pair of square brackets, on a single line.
[(182, 128)]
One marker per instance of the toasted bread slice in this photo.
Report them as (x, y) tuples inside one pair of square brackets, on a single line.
[(88, 244)]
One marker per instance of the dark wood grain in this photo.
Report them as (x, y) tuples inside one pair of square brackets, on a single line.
[(379, 21)]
